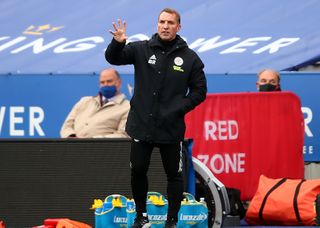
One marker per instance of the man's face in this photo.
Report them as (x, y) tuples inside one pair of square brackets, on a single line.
[(268, 77), (168, 26), (109, 78)]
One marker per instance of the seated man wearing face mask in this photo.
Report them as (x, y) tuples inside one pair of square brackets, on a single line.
[(268, 80), (104, 115)]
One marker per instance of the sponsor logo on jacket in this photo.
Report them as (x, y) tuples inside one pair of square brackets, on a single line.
[(152, 60)]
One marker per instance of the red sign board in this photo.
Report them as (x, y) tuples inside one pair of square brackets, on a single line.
[(240, 136)]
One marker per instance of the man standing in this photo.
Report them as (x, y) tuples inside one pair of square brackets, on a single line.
[(169, 82), (104, 115)]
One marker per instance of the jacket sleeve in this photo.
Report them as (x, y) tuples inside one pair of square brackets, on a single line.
[(119, 53), (67, 128), (120, 132), (197, 87)]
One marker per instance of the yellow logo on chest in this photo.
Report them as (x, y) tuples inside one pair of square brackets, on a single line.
[(178, 68)]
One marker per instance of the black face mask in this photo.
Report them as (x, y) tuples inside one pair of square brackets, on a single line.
[(269, 88)]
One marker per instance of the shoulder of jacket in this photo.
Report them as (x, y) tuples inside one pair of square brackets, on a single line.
[(126, 102), (87, 99), (192, 53), (121, 99), (138, 43)]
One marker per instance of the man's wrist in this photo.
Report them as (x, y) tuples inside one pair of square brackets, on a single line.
[(119, 41)]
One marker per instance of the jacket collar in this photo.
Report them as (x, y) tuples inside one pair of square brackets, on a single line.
[(118, 99)]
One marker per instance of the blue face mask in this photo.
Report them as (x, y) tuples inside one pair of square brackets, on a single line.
[(108, 91)]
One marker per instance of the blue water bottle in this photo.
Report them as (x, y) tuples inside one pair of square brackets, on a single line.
[(106, 206), (131, 212), (99, 214)]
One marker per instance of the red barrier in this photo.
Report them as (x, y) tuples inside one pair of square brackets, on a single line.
[(62, 223), (240, 136)]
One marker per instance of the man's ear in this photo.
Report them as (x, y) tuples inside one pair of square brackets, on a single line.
[(179, 28), (257, 84), (119, 84), (278, 87)]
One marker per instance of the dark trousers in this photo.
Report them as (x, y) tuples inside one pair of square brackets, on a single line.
[(171, 155)]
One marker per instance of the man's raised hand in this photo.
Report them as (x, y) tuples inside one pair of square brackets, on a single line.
[(119, 33)]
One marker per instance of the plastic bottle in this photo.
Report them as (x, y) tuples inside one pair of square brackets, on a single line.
[(116, 202), (203, 201), (130, 205), (106, 206), (97, 205)]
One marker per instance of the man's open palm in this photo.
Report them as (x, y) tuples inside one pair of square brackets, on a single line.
[(119, 33)]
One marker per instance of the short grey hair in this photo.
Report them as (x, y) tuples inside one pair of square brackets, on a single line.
[(274, 71)]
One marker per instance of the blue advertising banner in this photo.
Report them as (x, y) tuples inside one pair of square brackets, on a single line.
[(35, 106), (230, 36)]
